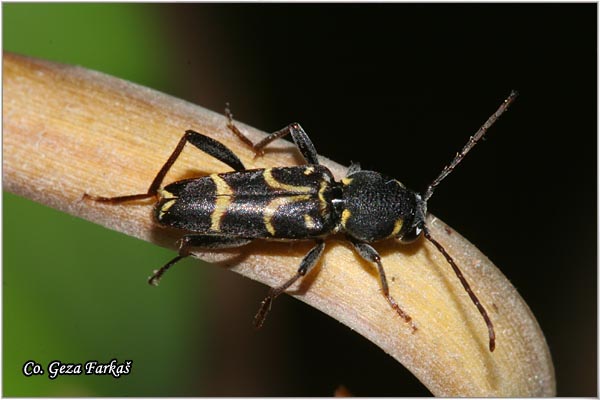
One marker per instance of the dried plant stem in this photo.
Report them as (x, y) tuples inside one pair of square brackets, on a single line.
[(68, 130)]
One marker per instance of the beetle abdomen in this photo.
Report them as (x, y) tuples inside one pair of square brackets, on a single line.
[(284, 203)]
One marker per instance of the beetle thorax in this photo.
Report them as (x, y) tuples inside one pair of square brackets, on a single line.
[(374, 207)]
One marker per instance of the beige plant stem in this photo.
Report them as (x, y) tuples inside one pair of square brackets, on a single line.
[(68, 130)]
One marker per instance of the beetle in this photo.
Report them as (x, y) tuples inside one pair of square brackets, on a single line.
[(305, 202)]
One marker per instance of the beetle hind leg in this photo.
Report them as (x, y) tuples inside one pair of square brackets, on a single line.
[(203, 143), (204, 242), (118, 199)]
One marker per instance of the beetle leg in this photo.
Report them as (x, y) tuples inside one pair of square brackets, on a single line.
[(205, 242), (300, 138), (368, 253), (236, 131), (213, 148), (309, 261), (200, 141), (353, 168)]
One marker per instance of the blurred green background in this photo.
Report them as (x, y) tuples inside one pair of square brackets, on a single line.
[(397, 87), (74, 292)]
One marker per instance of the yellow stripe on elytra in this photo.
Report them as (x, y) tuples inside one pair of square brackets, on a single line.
[(309, 222), (223, 198), (322, 201), (275, 184), (271, 209), (309, 170), (165, 194), (170, 197), (166, 205)]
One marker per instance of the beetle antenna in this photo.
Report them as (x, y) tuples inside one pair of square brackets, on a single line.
[(471, 143), (474, 299)]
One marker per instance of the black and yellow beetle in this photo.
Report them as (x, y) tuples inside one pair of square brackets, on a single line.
[(303, 202)]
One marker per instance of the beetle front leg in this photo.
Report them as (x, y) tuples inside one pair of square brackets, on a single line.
[(309, 261), (200, 242), (368, 253)]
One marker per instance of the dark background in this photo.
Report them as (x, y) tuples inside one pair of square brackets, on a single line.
[(398, 87)]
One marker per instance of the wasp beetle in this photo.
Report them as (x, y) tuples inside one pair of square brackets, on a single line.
[(231, 209)]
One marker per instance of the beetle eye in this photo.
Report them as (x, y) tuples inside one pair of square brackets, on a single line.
[(412, 235)]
